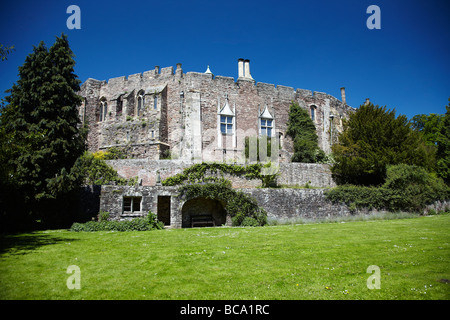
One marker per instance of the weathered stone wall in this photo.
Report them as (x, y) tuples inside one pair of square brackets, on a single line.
[(111, 200), (280, 204), (146, 170), (186, 114), (291, 204), (290, 174), (300, 174), (284, 204)]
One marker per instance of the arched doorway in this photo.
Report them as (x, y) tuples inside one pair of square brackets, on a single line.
[(203, 212)]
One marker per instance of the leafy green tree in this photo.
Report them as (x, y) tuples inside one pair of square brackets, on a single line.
[(40, 132), (429, 126), (303, 132), (443, 150), (373, 138)]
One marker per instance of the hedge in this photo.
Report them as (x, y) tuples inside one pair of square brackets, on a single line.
[(150, 222), (407, 188)]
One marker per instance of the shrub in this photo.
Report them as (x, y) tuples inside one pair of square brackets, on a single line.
[(150, 222), (407, 188), (92, 169), (414, 187), (360, 196), (241, 206), (103, 216), (249, 222), (115, 153)]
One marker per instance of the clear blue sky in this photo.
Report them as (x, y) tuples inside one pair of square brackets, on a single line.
[(317, 45)]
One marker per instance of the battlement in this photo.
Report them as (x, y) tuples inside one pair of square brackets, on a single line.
[(167, 74)]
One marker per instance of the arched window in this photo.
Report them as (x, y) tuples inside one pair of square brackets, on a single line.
[(103, 110), (140, 103), (313, 113), (119, 106)]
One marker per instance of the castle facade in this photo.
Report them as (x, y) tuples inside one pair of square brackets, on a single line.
[(193, 116)]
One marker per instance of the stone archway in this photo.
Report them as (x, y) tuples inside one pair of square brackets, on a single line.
[(203, 212)]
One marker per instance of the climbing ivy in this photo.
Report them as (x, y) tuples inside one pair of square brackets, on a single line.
[(242, 208), (302, 130), (196, 173)]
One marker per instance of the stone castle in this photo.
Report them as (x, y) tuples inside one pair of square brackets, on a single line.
[(166, 120), (196, 116)]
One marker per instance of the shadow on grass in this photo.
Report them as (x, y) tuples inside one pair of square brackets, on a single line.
[(24, 243)]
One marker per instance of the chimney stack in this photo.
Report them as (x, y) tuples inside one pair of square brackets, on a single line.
[(240, 68), (343, 95), (178, 70), (247, 69)]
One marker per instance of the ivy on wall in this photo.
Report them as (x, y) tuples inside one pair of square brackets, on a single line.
[(197, 173), (195, 183), (242, 208)]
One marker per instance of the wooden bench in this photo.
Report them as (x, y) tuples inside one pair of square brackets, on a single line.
[(202, 221)]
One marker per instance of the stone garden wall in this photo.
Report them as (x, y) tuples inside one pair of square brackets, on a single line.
[(291, 174), (280, 204)]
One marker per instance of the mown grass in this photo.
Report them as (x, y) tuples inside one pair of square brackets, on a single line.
[(311, 261)]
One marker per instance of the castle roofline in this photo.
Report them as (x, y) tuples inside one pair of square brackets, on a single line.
[(244, 76)]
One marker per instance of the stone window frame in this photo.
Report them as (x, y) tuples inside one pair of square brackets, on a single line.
[(313, 113), (119, 106), (103, 109), (264, 127), (263, 123), (155, 102), (132, 203), (227, 121), (140, 103)]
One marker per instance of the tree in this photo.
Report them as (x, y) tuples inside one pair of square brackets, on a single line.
[(443, 147), (40, 134), (429, 126), (303, 132), (4, 51), (373, 138)]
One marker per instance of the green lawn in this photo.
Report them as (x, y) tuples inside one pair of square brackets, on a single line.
[(312, 261)]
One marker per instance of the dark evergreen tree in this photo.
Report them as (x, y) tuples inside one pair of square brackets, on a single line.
[(303, 132), (40, 133), (373, 138)]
